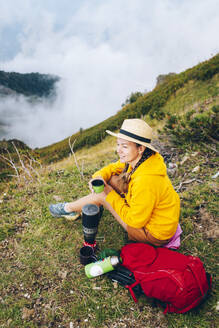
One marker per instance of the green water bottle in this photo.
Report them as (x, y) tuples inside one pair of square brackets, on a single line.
[(100, 267)]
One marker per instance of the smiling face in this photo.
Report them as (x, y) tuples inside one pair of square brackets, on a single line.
[(129, 152)]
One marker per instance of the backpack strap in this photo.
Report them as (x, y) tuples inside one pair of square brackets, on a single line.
[(130, 288)]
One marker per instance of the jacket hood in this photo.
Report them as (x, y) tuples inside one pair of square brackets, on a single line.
[(154, 165)]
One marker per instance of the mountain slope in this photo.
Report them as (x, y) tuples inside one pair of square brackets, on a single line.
[(195, 89), (195, 85)]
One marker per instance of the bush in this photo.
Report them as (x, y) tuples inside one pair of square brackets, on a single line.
[(194, 126)]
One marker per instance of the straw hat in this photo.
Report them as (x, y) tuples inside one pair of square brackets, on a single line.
[(137, 131)]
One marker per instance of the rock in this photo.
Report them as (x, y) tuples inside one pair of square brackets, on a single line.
[(213, 234), (185, 158), (195, 154), (96, 287), (196, 169), (172, 165), (215, 175), (172, 168), (62, 274), (27, 313), (115, 284)]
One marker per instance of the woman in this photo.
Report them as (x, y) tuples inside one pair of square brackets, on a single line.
[(148, 209)]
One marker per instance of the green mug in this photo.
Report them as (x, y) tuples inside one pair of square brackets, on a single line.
[(98, 185)]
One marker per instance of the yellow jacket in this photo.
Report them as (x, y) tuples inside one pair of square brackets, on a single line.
[(151, 201)]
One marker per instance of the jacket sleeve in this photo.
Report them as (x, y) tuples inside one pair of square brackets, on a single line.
[(138, 211), (109, 170)]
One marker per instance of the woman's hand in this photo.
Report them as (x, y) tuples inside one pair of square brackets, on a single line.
[(107, 189), (101, 197)]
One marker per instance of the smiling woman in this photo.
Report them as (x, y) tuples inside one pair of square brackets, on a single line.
[(148, 209)]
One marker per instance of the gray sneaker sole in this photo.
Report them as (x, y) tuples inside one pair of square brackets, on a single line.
[(71, 218), (67, 217)]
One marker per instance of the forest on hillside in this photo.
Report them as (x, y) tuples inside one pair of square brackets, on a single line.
[(29, 84)]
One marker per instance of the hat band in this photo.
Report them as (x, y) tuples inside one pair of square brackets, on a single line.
[(135, 136)]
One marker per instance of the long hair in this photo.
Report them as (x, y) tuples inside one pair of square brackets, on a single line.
[(124, 177)]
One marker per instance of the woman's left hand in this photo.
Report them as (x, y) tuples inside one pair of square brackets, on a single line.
[(107, 189), (101, 197)]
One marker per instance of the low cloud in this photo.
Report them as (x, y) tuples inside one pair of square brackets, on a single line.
[(102, 51)]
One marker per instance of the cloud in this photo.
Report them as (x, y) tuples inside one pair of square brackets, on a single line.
[(103, 50)]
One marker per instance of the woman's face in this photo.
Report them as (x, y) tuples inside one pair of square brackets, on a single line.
[(129, 152)]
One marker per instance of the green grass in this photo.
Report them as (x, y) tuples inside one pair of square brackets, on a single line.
[(42, 282), (194, 94)]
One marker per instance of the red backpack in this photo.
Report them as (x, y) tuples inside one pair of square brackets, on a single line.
[(178, 280)]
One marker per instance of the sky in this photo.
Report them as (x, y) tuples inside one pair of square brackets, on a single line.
[(103, 50)]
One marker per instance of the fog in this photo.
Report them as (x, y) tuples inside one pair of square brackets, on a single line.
[(102, 51)]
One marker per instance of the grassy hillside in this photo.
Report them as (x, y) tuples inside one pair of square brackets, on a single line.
[(181, 91), (43, 284)]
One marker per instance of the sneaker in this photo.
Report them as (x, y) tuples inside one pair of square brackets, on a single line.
[(58, 210)]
